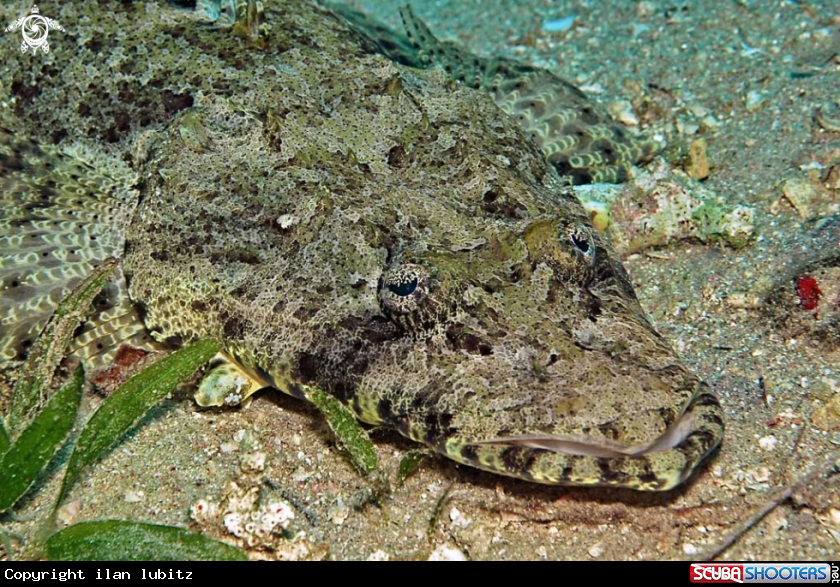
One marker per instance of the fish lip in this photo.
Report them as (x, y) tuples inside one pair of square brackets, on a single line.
[(580, 445)]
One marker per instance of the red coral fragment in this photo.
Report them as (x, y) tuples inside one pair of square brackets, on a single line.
[(808, 292), (120, 371)]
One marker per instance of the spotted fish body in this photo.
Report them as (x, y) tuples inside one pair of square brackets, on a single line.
[(350, 224), (575, 134)]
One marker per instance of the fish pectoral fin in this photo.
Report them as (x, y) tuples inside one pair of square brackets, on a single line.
[(226, 384), (113, 322), (63, 211)]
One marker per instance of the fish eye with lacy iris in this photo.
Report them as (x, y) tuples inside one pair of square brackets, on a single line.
[(385, 217)]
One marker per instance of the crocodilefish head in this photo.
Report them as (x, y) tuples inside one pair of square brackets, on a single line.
[(530, 356)]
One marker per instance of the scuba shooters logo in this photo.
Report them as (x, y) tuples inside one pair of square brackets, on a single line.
[(765, 573)]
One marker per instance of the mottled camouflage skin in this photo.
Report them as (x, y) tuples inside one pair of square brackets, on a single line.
[(577, 136), (350, 224)]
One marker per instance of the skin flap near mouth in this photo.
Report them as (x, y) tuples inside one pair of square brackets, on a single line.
[(600, 447)]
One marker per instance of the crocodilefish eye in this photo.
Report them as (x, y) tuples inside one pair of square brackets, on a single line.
[(404, 288), (583, 240)]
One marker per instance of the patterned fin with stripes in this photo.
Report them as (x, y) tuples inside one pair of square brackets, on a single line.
[(62, 211)]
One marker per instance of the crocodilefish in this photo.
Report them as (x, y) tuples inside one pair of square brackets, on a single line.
[(347, 216)]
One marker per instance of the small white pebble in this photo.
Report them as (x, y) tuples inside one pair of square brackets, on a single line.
[(445, 553), (698, 110), (812, 165), (227, 447), (690, 549), (753, 100), (379, 555), (686, 127), (254, 461), (596, 550), (68, 513), (457, 518), (645, 9), (301, 474), (593, 88), (762, 475), (767, 442), (622, 110), (559, 25), (132, 496), (338, 512)]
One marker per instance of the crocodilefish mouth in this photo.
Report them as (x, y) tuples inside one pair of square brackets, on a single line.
[(573, 422), (659, 465), (581, 446)]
